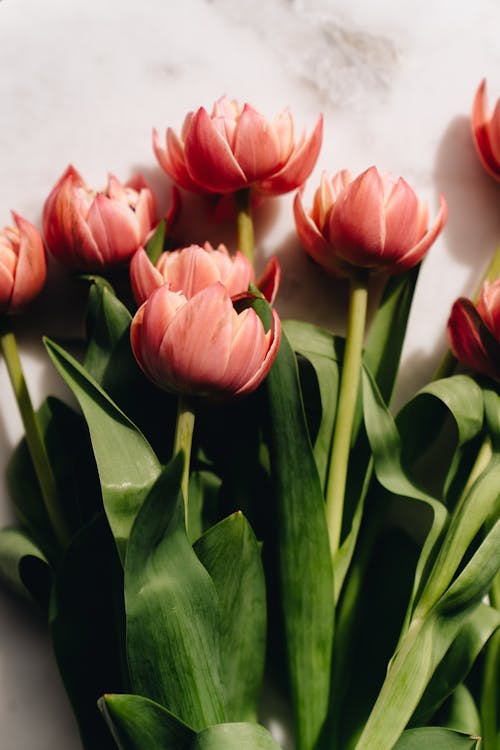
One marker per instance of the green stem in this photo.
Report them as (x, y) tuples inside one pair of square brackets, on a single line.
[(183, 441), (34, 437), (245, 223), (349, 383)]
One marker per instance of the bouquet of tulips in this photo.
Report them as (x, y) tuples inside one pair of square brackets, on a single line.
[(233, 511)]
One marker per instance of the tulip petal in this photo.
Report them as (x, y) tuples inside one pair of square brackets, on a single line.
[(313, 242), (274, 337), (144, 277), (402, 221), (416, 253), (209, 159), (471, 341), (357, 227), (172, 160), (283, 125), (114, 229), (31, 269), (256, 145), (191, 270), (6, 286), (66, 231), (248, 350), (197, 344), (481, 132), (299, 166), (488, 306), (269, 281), (160, 310)]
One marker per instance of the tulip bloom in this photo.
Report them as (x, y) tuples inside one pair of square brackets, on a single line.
[(191, 269), (236, 147), (486, 131), (22, 265), (370, 222), (474, 331), (90, 231), (202, 346)]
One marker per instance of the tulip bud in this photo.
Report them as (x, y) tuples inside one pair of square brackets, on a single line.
[(474, 331), (202, 346), (486, 131), (22, 265), (90, 231), (236, 147), (369, 222)]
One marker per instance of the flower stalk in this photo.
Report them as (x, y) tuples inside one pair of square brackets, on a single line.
[(183, 442), (351, 370), (34, 436), (245, 223)]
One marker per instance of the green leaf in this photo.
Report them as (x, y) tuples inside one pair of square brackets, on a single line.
[(23, 568), (492, 415), (140, 724), (127, 464), (386, 445), (426, 643), (108, 321), (155, 245), (87, 627), (387, 331), (231, 554), (230, 736), (172, 610), (68, 447), (460, 713), (302, 545), (323, 351), (457, 662), (437, 738)]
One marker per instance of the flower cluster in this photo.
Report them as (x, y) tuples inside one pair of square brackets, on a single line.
[(196, 402)]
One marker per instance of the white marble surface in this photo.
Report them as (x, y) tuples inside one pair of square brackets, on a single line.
[(84, 82)]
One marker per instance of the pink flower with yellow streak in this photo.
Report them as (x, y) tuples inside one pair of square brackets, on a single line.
[(23, 267), (237, 147)]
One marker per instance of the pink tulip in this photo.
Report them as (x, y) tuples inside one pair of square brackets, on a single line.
[(370, 222), (486, 131), (90, 231), (22, 265), (202, 346), (236, 147), (474, 331), (191, 269)]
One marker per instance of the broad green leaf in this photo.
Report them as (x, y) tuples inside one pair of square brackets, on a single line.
[(492, 415), (204, 489), (435, 738), (127, 464), (231, 554), (23, 568), (457, 662), (87, 627), (460, 713), (387, 331), (303, 550), (443, 418), (425, 644), (140, 724), (70, 454), (473, 510), (323, 351), (173, 628), (155, 245), (108, 321), (245, 736), (386, 445)]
